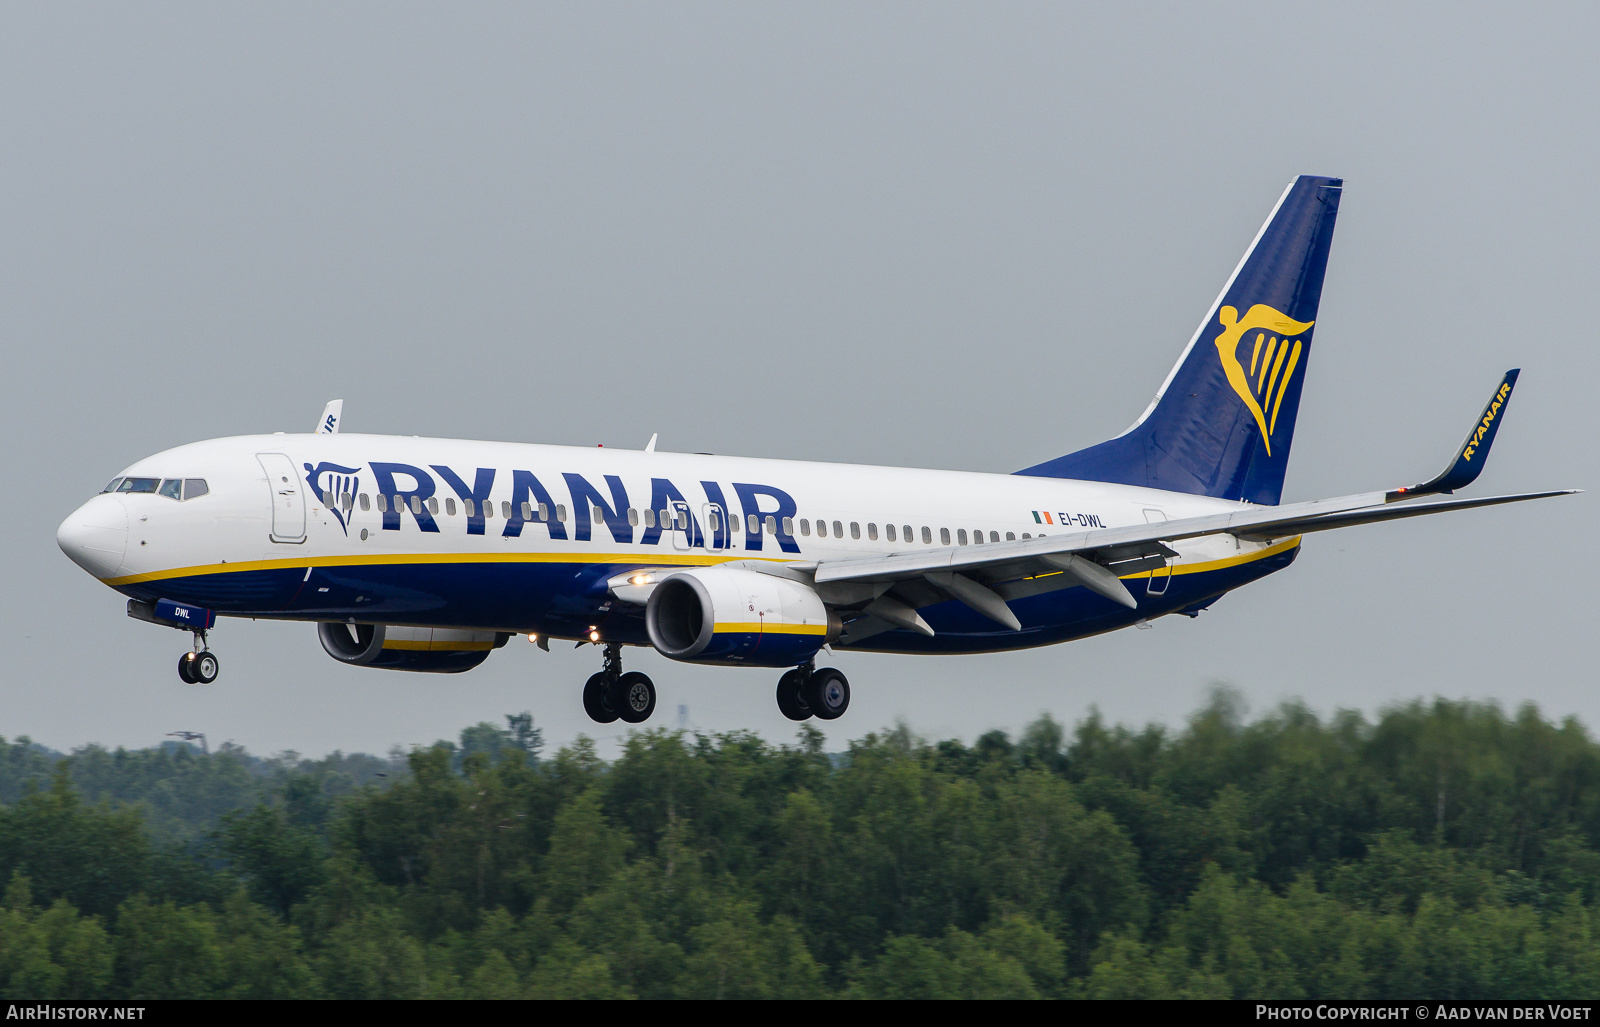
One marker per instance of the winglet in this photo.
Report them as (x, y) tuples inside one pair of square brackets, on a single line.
[(1472, 453), (329, 424)]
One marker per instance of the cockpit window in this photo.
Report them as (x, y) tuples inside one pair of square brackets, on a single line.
[(173, 488)]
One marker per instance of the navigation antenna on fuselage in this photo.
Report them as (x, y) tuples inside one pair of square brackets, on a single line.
[(329, 424)]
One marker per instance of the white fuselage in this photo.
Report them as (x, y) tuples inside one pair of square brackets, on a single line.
[(148, 545)]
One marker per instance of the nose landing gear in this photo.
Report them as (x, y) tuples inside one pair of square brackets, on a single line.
[(199, 665), (804, 693), (611, 695)]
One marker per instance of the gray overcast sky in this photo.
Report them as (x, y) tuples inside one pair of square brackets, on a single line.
[(966, 236)]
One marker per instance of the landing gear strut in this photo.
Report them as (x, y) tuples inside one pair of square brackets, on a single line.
[(611, 694), (805, 692), (199, 665)]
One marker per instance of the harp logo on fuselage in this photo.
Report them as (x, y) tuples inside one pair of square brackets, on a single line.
[(1274, 357)]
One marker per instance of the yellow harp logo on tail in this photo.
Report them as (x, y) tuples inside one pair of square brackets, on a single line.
[(1274, 355)]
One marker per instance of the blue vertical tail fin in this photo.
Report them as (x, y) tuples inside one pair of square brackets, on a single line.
[(1223, 421)]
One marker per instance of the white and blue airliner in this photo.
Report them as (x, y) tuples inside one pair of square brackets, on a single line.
[(427, 554)]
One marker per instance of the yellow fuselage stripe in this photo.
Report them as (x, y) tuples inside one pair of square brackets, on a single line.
[(402, 559), (1227, 561), (635, 559)]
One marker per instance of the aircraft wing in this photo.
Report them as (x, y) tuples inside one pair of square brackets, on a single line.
[(1113, 545), (985, 576)]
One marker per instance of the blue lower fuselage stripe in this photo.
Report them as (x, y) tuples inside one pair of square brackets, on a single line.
[(568, 599)]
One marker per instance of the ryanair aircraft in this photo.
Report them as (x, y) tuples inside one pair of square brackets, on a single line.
[(426, 554)]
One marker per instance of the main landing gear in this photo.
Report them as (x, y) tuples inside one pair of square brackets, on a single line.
[(805, 692), (199, 665), (611, 694)]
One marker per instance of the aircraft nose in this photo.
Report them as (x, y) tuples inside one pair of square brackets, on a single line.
[(95, 536)]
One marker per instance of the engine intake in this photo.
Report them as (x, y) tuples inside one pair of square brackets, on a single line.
[(426, 650), (733, 615)]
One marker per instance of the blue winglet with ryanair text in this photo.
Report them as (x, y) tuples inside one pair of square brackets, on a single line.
[(1473, 453)]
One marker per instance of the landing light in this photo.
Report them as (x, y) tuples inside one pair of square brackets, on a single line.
[(594, 636), (639, 579), (533, 638)]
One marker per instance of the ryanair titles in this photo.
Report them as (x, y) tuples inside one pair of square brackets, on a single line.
[(1487, 421), (405, 490)]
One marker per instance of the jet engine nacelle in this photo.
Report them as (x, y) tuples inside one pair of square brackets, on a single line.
[(733, 615), (429, 650)]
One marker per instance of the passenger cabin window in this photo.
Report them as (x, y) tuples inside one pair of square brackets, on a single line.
[(433, 505), (649, 518), (927, 535), (855, 529), (805, 526), (364, 504), (544, 511), (944, 536), (822, 529), (1011, 536), (633, 516), (505, 509), (469, 507), (872, 531), (961, 536), (752, 524), (888, 530), (383, 503), (416, 504), (488, 509), (172, 488), (450, 507), (905, 533), (772, 525), (838, 530), (527, 511), (561, 512), (788, 525)]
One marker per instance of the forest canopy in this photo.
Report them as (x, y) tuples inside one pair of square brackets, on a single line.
[(1443, 850)]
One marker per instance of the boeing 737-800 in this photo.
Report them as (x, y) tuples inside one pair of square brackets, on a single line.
[(427, 554)]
